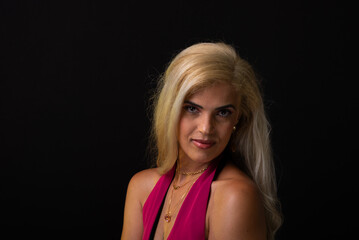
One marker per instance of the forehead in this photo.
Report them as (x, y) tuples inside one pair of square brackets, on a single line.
[(216, 95)]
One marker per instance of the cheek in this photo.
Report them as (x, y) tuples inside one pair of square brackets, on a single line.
[(226, 132), (184, 128)]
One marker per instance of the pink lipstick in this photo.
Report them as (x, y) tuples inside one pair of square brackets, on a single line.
[(203, 144)]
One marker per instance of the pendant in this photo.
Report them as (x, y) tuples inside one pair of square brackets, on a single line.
[(176, 187), (168, 218)]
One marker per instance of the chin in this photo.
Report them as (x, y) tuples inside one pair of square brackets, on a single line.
[(204, 158)]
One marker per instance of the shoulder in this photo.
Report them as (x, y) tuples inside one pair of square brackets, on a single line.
[(139, 187), (234, 188), (234, 183), (142, 183), (235, 205)]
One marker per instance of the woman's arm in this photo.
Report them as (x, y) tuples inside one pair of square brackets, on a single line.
[(139, 188), (237, 212), (132, 221)]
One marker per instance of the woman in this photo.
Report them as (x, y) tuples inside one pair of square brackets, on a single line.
[(214, 177)]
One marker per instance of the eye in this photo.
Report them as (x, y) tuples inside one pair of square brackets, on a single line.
[(191, 109), (224, 113)]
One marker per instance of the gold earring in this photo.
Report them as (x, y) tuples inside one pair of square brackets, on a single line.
[(234, 128)]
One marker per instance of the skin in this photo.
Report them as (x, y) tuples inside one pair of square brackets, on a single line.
[(234, 209), (206, 125)]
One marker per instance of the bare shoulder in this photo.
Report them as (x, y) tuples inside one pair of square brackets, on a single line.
[(234, 183), (142, 183), (235, 209), (139, 187), (146, 177)]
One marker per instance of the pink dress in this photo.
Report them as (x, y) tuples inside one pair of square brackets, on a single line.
[(191, 218)]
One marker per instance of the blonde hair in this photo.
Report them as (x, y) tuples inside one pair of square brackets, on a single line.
[(195, 68)]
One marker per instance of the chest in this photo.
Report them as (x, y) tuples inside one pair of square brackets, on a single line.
[(188, 219), (180, 216)]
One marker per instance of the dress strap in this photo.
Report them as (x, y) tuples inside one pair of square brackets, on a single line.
[(154, 202)]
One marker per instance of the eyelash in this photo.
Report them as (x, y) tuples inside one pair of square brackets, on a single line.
[(223, 113), (191, 109), (226, 114)]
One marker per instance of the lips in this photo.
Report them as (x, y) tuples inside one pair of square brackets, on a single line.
[(203, 144)]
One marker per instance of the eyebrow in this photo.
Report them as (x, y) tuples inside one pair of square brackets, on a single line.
[(199, 106)]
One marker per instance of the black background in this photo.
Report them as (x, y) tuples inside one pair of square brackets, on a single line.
[(74, 86)]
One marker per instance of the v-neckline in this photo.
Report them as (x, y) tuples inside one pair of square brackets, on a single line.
[(190, 193)]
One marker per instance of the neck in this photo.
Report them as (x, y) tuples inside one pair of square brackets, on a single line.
[(188, 166)]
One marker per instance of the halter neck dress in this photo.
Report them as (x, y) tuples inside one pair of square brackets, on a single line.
[(191, 218)]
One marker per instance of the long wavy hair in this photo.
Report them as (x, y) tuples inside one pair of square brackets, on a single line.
[(202, 65)]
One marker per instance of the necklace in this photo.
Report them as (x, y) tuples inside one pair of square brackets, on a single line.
[(169, 214), (179, 186), (192, 173)]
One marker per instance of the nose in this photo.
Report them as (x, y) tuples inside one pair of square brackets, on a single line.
[(206, 124)]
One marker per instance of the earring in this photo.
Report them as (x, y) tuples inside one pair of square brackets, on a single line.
[(233, 147)]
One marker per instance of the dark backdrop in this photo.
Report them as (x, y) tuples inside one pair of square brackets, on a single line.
[(74, 87)]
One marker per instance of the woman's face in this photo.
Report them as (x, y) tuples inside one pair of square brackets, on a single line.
[(206, 123)]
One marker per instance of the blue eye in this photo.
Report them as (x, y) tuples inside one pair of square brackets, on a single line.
[(224, 113)]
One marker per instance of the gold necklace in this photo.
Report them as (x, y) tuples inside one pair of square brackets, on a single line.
[(192, 173), (169, 214), (179, 186)]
